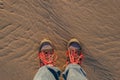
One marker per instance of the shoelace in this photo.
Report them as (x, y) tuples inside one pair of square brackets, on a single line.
[(74, 56), (48, 58)]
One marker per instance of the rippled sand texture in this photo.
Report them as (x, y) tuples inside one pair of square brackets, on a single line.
[(24, 23)]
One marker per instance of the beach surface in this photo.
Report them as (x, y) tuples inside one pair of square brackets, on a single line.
[(24, 23)]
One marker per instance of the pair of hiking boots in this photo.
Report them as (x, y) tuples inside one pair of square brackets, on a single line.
[(47, 56)]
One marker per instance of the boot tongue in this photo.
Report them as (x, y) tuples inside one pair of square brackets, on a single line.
[(46, 47), (75, 46)]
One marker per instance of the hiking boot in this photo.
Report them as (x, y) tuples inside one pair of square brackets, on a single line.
[(46, 53), (74, 52)]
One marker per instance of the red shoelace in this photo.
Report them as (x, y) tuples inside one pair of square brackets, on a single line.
[(48, 57), (75, 56)]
